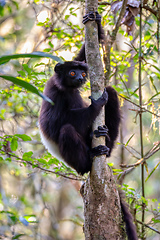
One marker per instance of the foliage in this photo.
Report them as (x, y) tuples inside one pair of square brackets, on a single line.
[(32, 194)]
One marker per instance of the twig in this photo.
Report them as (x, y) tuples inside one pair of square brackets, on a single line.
[(46, 170), (153, 229), (155, 149), (104, 3), (137, 105), (7, 17), (115, 30), (124, 173), (151, 10)]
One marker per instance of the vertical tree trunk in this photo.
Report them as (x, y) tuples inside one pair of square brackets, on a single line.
[(101, 200)]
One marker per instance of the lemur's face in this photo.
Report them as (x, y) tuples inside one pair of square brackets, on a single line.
[(75, 78), (71, 74)]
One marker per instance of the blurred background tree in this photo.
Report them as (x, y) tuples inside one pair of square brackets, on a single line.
[(39, 196)]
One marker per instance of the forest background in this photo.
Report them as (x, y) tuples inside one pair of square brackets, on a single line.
[(39, 196)]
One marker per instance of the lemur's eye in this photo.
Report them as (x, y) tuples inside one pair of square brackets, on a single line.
[(72, 74), (83, 74)]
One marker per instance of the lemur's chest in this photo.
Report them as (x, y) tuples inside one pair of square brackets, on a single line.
[(51, 146)]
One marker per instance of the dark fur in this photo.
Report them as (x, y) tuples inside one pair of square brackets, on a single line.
[(128, 219), (69, 122)]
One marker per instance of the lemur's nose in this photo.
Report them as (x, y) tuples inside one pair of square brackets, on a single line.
[(80, 79)]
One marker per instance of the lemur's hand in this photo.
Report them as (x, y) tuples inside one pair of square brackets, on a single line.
[(102, 131), (102, 100), (91, 16)]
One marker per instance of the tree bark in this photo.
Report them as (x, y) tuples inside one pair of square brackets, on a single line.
[(102, 210)]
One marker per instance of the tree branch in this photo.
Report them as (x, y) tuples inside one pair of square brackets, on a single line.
[(137, 105), (36, 165), (101, 200), (153, 11), (154, 150), (115, 30), (146, 225)]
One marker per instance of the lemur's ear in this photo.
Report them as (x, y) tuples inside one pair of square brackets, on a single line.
[(57, 67)]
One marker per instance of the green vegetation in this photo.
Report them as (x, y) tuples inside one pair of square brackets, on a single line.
[(39, 196)]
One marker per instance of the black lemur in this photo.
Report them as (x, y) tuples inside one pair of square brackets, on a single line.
[(66, 126)]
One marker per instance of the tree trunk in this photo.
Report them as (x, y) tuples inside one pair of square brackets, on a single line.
[(101, 200)]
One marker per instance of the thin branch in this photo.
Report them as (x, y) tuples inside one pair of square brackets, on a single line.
[(104, 3), (145, 6), (151, 10), (8, 17), (131, 167), (124, 173), (154, 150), (142, 108), (133, 154), (153, 229), (73, 221), (115, 30), (65, 175)]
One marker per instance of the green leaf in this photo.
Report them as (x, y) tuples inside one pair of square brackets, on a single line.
[(14, 144), (152, 171), (22, 73), (27, 86), (117, 170), (40, 24), (158, 69), (144, 200), (18, 236), (31, 218), (131, 189), (40, 160), (27, 155), (129, 140), (24, 137), (154, 86), (51, 45), (67, 16), (125, 185), (155, 220), (26, 68), (7, 58), (154, 96), (154, 200), (53, 161), (2, 114), (110, 164)]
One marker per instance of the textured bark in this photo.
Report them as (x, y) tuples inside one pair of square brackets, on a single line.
[(101, 200)]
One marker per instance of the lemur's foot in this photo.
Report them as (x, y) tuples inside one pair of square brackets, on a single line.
[(102, 131), (91, 16), (99, 150)]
